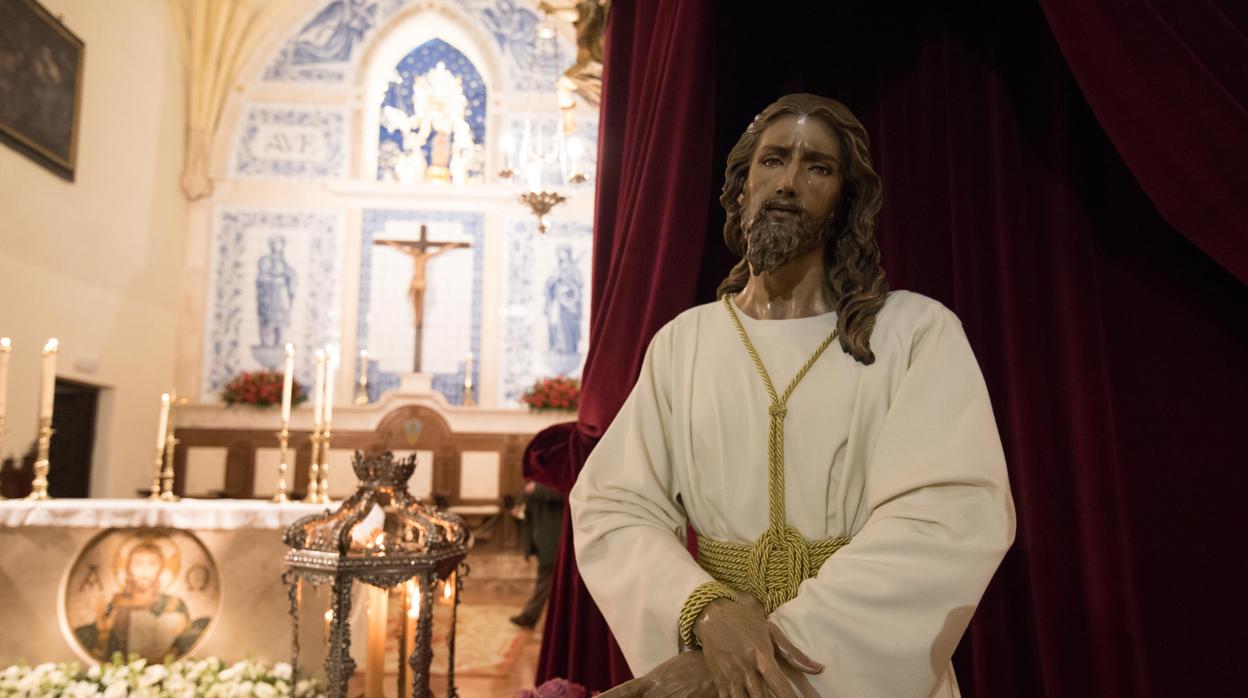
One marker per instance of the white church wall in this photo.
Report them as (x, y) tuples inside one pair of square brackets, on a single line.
[(92, 262)]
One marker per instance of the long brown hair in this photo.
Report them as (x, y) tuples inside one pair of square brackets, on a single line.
[(851, 254)]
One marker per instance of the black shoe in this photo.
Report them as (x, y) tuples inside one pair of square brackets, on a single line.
[(523, 621)]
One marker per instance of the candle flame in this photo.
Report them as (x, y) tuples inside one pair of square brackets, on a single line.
[(290, 349), (5, 344), (51, 346), (329, 615), (446, 589), (380, 539), (164, 398)]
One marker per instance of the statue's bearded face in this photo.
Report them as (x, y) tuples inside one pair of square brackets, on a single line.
[(791, 192)]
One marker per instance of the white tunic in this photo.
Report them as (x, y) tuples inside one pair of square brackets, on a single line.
[(903, 455)]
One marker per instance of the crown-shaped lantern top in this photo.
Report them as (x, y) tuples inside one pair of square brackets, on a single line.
[(380, 525)]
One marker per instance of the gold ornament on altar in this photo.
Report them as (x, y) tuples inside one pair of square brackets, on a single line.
[(47, 398), (385, 538), (162, 476)]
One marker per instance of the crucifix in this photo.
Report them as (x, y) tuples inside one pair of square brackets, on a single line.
[(421, 251)]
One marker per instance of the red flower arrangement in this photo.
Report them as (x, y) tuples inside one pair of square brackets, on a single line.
[(553, 394), (260, 388)]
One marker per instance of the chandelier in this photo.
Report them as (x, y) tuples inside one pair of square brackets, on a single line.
[(548, 156)]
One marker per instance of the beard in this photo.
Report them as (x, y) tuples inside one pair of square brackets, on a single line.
[(771, 243)]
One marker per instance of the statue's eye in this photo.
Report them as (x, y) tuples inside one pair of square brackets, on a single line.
[(772, 161), (821, 170)]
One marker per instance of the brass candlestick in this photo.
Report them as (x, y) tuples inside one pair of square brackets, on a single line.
[(314, 470), (166, 473), (283, 440), (153, 493), (469, 400), (39, 488), (322, 489)]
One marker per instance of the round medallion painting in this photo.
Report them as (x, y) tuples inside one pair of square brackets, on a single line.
[(148, 591)]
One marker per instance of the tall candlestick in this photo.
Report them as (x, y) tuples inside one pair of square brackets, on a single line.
[(327, 409), (39, 488), (283, 447), (361, 391), (327, 418), (6, 348), (162, 431), (47, 388), (288, 382), (375, 656), (468, 397), (171, 442), (318, 397), (318, 400)]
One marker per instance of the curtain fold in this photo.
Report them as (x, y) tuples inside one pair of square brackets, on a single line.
[(649, 230), (1167, 82), (217, 38)]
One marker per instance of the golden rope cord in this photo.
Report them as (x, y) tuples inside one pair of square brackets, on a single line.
[(781, 559)]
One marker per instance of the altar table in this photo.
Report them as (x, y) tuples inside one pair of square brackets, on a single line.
[(40, 541)]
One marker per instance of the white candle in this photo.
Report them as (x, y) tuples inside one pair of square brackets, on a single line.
[(47, 389), (6, 348), (318, 398), (288, 382), (375, 653), (330, 373), (363, 369), (468, 370), (163, 431)]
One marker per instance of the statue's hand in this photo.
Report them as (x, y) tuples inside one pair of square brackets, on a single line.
[(684, 675), (741, 650)]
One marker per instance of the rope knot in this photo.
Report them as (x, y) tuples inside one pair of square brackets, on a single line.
[(779, 562), (778, 410)]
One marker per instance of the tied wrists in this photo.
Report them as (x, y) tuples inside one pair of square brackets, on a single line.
[(698, 599)]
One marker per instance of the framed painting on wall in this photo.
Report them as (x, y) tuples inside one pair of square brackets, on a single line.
[(40, 85)]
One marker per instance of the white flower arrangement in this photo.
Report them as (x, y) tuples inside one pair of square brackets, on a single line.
[(136, 678)]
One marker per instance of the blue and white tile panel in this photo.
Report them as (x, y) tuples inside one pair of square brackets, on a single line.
[(545, 305), (330, 40), (273, 278), (286, 141)]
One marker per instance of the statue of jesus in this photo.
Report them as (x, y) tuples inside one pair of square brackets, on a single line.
[(421, 251), (831, 443)]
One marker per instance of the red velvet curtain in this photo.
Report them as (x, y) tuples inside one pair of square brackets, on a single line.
[(1168, 82), (648, 242), (1112, 345)]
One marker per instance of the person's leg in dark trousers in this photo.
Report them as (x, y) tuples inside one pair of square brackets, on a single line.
[(541, 592)]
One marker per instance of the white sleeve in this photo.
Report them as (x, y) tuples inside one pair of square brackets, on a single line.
[(628, 526), (885, 613)]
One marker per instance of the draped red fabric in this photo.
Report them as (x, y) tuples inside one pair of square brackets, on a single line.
[(650, 224), (1112, 344), (1167, 82)]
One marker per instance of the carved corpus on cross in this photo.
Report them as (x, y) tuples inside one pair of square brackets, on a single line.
[(421, 251)]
